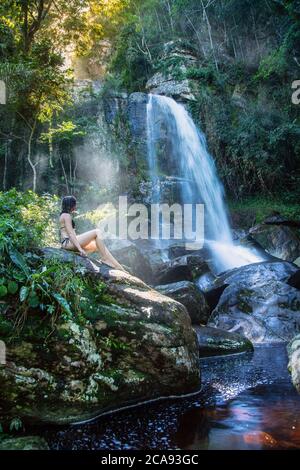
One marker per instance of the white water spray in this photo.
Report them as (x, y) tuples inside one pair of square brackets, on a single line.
[(188, 150)]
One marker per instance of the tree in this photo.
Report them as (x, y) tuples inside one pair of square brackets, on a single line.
[(38, 89)]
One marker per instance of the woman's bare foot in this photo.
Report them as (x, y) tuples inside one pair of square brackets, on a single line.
[(113, 266)]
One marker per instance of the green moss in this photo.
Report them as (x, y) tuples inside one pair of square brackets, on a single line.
[(294, 305), (244, 306), (262, 207)]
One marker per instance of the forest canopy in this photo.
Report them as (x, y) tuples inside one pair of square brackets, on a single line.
[(244, 48)]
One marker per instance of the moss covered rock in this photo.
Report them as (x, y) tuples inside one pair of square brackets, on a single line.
[(214, 341), (24, 443), (138, 345)]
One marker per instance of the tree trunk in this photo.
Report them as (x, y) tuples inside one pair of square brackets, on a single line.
[(64, 171), (5, 165), (209, 34), (170, 15), (29, 157)]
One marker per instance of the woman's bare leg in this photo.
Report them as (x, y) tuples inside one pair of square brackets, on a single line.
[(91, 241)]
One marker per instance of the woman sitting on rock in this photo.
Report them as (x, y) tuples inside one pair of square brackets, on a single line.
[(87, 242)]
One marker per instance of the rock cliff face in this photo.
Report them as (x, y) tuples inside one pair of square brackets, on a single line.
[(176, 59), (127, 113), (130, 110), (138, 346)]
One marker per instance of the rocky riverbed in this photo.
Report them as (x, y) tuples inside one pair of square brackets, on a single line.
[(144, 342)]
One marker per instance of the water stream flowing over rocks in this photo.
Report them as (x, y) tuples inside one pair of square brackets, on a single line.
[(177, 149)]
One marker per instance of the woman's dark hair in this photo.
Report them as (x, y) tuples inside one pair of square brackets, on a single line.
[(67, 203)]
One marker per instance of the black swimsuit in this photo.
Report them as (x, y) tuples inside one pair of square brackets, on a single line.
[(65, 242)]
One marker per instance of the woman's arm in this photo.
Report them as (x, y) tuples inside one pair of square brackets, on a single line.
[(71, 232)]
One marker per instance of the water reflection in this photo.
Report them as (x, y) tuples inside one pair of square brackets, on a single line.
[(247, 402)]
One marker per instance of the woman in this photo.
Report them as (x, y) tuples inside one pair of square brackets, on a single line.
[(87, 242)]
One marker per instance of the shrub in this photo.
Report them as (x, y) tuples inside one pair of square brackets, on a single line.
[(29, 283)]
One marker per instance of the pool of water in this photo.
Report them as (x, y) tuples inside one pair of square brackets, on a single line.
[(247, 402)]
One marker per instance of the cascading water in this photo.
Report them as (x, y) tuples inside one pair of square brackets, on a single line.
[(195, 166)]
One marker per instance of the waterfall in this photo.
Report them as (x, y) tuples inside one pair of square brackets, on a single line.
[(188, 155)]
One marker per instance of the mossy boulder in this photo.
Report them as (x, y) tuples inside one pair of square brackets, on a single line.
[(215, 342), (137, 346), (184, 268), (24, 443)]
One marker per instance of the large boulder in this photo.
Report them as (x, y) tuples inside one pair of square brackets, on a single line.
[(127, 253), (278, 238), (164, 255), (257, 301), (190, 296), (134, 345), (187, 267), (294, 361), (214, 342)]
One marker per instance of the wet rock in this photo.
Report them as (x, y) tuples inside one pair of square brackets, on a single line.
[(294, 279), (156, 257), (277, 219), (212, 293), (249, 242), (24, 443), (214, 341), (279, 240), (114, 105), (297, 262), (239, 234), (166, 188), (135, 345), (188, 267), (136, 112), (294, 361), (258, 302), (177, 250), (189, 295), (128, 253)]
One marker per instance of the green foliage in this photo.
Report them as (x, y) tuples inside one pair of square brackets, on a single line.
[(262, 207), (30, 283), (130, 64), (16, 424), (26, 222)]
